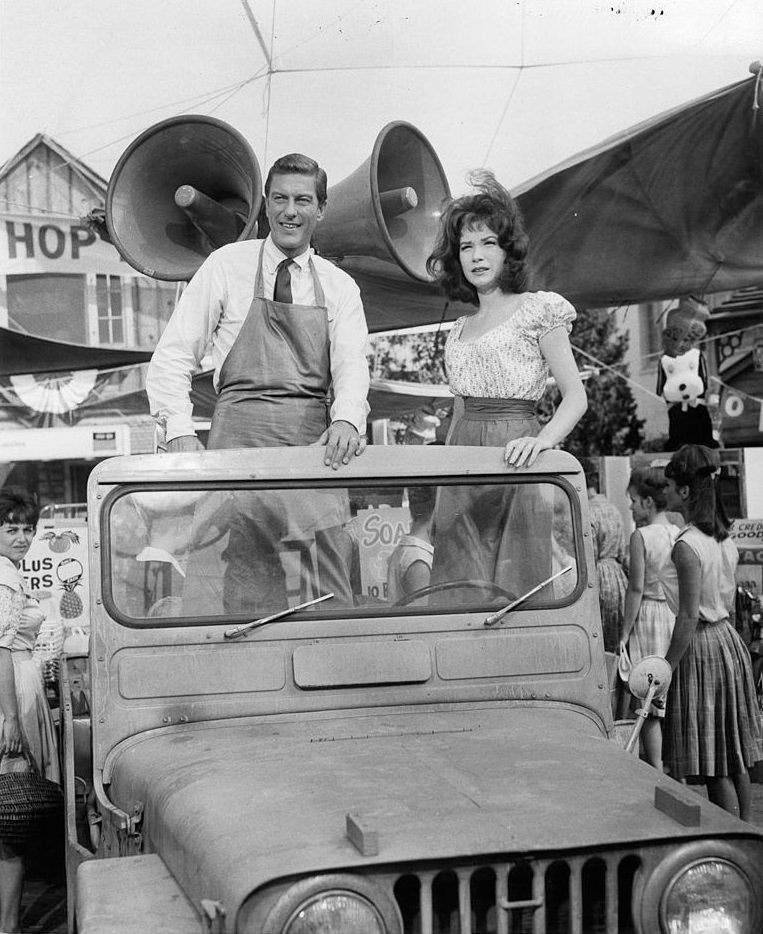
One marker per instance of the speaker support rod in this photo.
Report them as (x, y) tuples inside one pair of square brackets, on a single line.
[(398, 201), (214, 220)]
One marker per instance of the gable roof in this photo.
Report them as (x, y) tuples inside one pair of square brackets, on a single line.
[(85, 173)]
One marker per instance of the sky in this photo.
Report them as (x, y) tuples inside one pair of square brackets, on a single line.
[(512, 85)]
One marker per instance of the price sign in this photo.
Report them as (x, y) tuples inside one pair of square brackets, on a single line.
[(747, 535)]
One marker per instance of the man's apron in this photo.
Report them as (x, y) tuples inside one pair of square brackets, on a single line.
[(273, 392), (274, 382)]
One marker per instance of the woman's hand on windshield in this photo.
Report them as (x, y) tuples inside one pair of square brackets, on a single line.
[(523, 452)]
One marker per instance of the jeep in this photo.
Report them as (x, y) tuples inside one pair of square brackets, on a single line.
[(278, 741)]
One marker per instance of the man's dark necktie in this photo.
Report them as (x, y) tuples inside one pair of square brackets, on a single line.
[(282, 291)]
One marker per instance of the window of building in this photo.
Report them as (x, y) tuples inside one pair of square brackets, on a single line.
[(152, 302), (111, 323), (49, 305)]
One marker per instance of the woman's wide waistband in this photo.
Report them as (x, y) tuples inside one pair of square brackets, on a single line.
[(479, 407)]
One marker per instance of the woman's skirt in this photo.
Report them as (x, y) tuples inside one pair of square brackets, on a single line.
[(612, 587), (712, 723), (651, 636), (34, 716), (653, 630), (500, 534)]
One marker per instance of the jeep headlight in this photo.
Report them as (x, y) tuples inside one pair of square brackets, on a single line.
[(336, 913), (703, 886), (709, 895), (335, 903)]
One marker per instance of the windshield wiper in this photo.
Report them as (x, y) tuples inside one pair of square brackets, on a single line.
[(240, 630), (494, 617)]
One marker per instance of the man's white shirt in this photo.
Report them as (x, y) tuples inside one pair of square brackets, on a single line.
[(212, 309)]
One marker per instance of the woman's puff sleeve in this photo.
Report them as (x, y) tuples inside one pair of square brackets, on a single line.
[(552, 311)]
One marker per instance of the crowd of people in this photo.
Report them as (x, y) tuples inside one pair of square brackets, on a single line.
[(288, 336)]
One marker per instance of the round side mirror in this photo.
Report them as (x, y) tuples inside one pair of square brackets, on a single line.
[(652, 671)]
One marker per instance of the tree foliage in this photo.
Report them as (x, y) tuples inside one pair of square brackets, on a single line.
[(611, 425), (411, 358)]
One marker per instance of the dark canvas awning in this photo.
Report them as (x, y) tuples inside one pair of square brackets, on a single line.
[(23, 353), (670, 207)]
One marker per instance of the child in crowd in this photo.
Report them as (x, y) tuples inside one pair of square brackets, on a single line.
[(648, 621), (410, 564)]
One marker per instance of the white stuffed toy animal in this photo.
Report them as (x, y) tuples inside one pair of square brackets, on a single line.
[(683, 378)]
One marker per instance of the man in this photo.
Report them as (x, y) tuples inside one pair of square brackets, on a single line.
[(275, 357), (286, 327)]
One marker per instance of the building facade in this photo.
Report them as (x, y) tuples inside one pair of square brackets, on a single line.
[(60, 281)]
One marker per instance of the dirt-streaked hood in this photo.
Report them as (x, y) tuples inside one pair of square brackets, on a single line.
[(230, 807)]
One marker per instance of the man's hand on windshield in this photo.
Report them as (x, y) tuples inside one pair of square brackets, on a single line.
[(342, 443), (184, 443)]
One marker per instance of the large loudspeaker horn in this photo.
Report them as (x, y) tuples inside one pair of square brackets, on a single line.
[(389, 208), (183, 188)]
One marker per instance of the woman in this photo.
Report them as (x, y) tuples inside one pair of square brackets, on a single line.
[(498, 360), (25, 721), (647, 624), (610, 555), (712, 722)]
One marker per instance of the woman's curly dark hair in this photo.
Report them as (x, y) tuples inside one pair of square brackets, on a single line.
[(493, 207), (696, 466), (18, 507)]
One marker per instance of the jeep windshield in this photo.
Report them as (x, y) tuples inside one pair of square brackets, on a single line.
[(201, 555)]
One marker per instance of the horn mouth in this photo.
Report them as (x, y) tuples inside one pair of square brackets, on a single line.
[(409, 187), (160, 237)]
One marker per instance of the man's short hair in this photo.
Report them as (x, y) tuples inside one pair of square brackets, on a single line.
[(421, 502), (296, 164)]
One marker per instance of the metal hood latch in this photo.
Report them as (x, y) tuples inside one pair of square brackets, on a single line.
[(129, 834)]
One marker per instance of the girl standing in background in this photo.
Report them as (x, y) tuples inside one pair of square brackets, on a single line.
[(712, 721), (647, 624)]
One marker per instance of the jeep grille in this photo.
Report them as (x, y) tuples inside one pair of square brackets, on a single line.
[(575, 895)]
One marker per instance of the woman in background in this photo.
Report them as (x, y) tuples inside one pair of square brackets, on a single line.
[(712, 721), (647, 624), (26, 725), (611, 557)]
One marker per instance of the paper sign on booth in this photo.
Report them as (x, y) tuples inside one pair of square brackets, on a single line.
[(747, 535)]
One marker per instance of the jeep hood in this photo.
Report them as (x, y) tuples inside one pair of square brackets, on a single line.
[(231, 806)]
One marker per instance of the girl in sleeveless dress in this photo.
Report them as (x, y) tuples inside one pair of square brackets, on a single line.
[(26, 724), (648, 621), (712, 721)]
